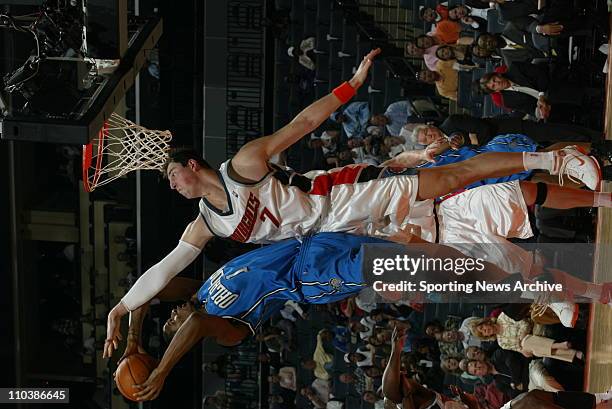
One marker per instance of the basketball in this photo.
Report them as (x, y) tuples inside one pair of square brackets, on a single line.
[(133, 370)]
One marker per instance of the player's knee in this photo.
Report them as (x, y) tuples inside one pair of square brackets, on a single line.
[(541, 194), (534, 193)]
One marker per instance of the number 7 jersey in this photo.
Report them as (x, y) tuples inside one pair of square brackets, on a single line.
[(359, 199)]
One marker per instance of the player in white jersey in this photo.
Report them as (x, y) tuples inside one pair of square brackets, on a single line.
[(494, 213), (259, 204), (360, 199), (491, 214)]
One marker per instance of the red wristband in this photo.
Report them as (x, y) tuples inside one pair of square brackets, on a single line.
[(344, 92)]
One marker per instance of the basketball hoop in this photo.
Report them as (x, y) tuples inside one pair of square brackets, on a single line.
[(121, 147)]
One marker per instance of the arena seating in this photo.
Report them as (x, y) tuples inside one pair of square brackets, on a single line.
[(344, 31)]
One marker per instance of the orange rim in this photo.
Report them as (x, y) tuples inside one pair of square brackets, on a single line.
[(87, 159), (86, 164)]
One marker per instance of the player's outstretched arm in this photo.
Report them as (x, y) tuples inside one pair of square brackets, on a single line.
[(155, 279), (251, 161), (391, 379), (189, 333), (196, 327), (414, 158), (133, 342), (407, 159)]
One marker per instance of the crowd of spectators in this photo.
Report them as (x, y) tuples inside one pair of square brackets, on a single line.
[(529, 58), (529, 79), (239, 371), (496, 353), (339, 358), (355, 135)]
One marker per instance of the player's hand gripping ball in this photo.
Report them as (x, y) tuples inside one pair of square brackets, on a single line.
[(133, 370)]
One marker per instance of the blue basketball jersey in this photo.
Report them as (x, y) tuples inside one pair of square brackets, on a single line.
[(501, 143), (320, 269)]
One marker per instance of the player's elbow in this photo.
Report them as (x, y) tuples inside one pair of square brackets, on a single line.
[(305, 123), (391, 393), (311, 124)]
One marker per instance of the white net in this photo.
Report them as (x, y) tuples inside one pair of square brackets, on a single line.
[(122, 147)]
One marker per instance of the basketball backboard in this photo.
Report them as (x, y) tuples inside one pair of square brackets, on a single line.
[(66, 96)]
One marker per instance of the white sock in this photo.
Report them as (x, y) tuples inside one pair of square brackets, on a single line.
[(539, 160), (602, 397), (602, 199), (593, 291)]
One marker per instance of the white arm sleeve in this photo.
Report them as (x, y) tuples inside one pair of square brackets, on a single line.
[(157, 277)]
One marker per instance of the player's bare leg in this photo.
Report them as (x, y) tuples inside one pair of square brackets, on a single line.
[(560, 145), (561, 197), (552, 180), (491, 271), (595, 292), (438, 181)]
